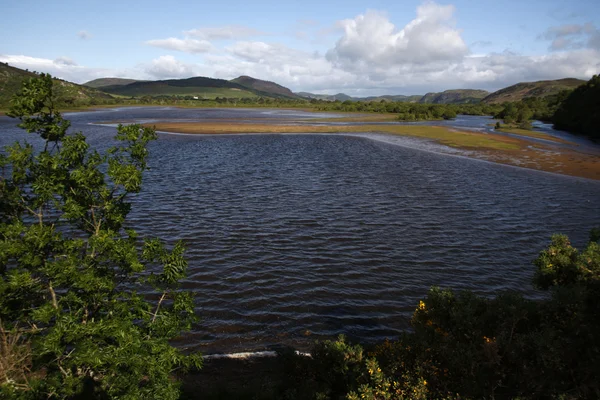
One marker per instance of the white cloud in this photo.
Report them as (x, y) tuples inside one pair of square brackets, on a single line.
[(186, 45), (165, 67), (371, 56), (224, 32), (371, 40), (64, 61), (84, 35), (259, 52), (572, 36)]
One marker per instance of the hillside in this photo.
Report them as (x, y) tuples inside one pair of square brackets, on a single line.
[(103, 82), (397, 97), (532, 89), (456, 96), (198, 86), (266, 88), (67, 94), (327, 97), (344, 97)]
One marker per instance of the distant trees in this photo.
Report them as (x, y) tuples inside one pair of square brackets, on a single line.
[(580, 111), (408, 111), (521, 113), (575, 111)]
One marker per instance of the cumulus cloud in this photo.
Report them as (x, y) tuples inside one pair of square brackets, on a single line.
[(84, 35), (224, 32), (371, 56), (165, 67), (572, 36), (186, 45), (371, 40)]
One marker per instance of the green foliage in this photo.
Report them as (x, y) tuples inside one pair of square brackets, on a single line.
[(579, 112), (70, 268), (507, 346), (563, 265), (522, 112), (337, 365)]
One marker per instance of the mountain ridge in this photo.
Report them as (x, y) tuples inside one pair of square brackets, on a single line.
[(455, 96), (262, 86), (245, 86), (522, 90), (103, 82)]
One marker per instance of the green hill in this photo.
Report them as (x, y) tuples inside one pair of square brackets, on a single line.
[(199, 86), (67, 94), (532, 89), (103, 82), (398, 97), (327, 97), (266, 88), (456, 96)]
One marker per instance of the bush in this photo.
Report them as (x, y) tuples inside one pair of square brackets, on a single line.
[(70, 267)]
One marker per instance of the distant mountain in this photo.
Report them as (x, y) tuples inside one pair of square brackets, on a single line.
[(199, 86), (344, 97), (398, 97), (532, 89), (103, 82), (455, 96), (67, 94), (327, 97), (270, 89)]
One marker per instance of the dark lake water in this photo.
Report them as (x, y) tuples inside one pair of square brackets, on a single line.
[(291, 238)]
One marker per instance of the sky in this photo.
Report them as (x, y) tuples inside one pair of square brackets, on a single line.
[(361, 48)]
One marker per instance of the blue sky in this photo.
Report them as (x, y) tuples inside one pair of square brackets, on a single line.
[(355, 47)]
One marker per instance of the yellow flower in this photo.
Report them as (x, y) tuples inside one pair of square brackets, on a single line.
[(424, 382), (421, 305)]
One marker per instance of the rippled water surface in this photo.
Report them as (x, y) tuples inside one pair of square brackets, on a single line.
[(295, 237)]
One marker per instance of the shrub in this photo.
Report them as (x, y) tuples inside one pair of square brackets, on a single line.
[(70, 267)]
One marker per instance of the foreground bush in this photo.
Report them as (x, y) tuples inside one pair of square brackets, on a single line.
[(72, 323), (466, 346)]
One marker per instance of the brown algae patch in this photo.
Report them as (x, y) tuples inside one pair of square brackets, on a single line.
[(485, 146), (359, 118), (534, 134)]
